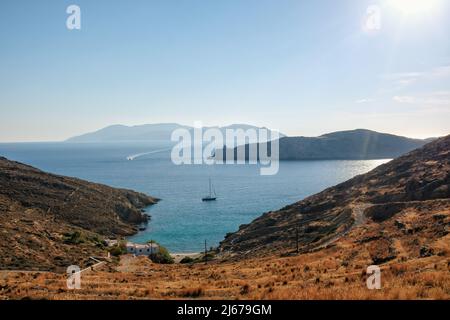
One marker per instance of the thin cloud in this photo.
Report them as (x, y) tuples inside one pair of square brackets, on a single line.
[(404, 79), (441, 72), (364, 100), (404, 99), (439, 98)]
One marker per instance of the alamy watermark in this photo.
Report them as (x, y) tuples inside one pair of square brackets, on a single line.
[(228, 146), (73, 21), (374, 278), (73, 277), (372, 19)]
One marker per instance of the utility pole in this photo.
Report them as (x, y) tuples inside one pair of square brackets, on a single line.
[(296, 236), (206, 257)]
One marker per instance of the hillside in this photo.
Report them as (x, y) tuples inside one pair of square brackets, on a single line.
[(396, 216), (347, 145), (404, 202), (41, 213)]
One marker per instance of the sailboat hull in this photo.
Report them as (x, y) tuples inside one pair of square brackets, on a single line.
[(209, 199)]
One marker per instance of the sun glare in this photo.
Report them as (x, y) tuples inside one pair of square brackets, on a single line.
[(410, 7)]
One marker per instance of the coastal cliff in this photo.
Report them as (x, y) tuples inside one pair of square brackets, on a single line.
[(40, 213), (406, 200)]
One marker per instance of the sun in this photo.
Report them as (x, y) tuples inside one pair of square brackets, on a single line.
[(414, 7)]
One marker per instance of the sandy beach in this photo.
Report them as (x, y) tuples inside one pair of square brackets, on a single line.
[(177, 257)]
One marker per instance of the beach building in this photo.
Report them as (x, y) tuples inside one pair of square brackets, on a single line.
[(142, 249)]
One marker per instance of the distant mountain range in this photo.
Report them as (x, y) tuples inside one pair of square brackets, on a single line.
[(354, 144), (146, 132)]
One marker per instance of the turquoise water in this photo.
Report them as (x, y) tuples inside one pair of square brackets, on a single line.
[(181, 221)]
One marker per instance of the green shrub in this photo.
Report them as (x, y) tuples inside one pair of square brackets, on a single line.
[(187, 260), (209, 256), (73, 238), (118, 250), (162, 256)]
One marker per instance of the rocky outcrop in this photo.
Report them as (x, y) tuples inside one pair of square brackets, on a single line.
[(40, 211), (418, 182)]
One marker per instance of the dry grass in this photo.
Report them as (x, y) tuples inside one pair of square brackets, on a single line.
[(337, 272), (312, 276)]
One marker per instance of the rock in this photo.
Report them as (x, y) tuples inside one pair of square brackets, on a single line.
[(399, 225), (31, 200), (390, 189), (426, 252)]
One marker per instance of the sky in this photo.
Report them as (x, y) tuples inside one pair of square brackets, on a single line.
[(301, 67)]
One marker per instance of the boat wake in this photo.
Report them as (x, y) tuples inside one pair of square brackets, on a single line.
[(135, 156)]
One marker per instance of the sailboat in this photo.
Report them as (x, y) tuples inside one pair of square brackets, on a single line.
[(212, 194)]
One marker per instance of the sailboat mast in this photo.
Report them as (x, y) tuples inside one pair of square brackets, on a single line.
[(210, 197), (210, 188)]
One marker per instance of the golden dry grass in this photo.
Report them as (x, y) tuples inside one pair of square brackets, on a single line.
[(320, 275), (336, 272)]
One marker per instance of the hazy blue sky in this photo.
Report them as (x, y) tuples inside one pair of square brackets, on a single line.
[(303, 67)]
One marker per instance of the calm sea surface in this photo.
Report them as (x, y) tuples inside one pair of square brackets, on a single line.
[(181, 221)]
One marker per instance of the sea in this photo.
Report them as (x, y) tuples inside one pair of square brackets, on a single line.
[(181, 221)]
